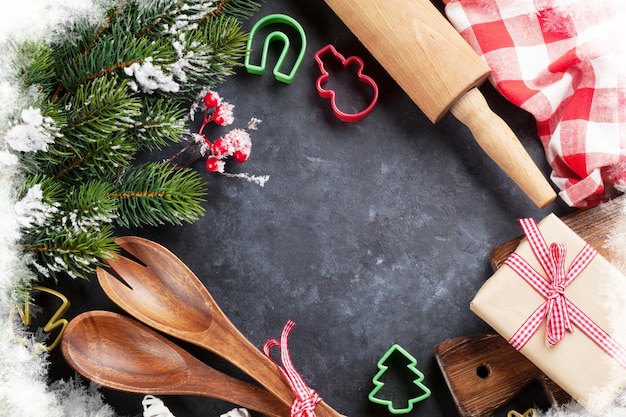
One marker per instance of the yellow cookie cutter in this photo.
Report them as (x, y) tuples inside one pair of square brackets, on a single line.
[(529, 413), (55, 321)]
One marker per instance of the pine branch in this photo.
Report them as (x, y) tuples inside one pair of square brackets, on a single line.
[(107, 49), (90, 203), (123, 45), (174, 15), (88, 163), (105, 25), (75, 252), (34, 63), (76, 232), (72, 45), (165, 13), (212, 62), (157, 193), (162, 122), (92, 83), (92, 140), (102, 107), (239, 9), (109, 56)]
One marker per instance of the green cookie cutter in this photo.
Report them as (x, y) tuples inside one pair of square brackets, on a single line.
[(271, 37), (412, 366)]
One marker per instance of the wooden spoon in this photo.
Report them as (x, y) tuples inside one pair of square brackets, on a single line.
[(162, 292), (121, 353)]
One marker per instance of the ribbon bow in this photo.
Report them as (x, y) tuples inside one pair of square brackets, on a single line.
[(560, 313), (557, 313), (305, 398)]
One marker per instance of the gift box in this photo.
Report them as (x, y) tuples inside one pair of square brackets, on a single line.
[(563, 306)]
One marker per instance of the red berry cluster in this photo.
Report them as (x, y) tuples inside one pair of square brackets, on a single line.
[(235, 143)]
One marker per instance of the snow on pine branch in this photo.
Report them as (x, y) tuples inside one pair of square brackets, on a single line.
[(150, 78), (189, 15)]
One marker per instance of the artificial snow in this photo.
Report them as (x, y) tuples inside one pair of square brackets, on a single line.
[(34, 134), (31, 210), (23, 389)]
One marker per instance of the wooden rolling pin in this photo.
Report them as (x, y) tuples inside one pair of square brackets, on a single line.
[(439, 71)]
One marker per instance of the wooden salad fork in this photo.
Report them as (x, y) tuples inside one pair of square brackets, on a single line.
[(158, 289)]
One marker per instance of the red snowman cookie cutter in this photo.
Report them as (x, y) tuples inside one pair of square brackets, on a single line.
[(330, 94)]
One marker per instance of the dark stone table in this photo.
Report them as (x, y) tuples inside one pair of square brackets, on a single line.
[(366, 234)]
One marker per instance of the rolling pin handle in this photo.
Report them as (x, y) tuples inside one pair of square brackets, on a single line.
[(497, 139)]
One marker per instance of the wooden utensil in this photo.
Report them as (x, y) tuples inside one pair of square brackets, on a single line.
[(484, 372), (164, 293), (439, 71), (122, 354)]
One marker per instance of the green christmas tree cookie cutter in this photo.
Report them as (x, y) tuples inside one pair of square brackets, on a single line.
[(378, 385), (283, 19)]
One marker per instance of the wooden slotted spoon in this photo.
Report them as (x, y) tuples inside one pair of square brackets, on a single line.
[(162, 292), (120, 353)]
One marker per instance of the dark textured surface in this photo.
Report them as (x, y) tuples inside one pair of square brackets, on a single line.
[(366, 235)]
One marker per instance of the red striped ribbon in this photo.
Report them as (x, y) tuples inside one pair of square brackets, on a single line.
[(560, 313), (305, 398)]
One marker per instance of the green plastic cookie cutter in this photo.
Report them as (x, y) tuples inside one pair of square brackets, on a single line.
[(283, 19), (378, 385)]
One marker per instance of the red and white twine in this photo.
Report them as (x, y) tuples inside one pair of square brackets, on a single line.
[(305, 397)]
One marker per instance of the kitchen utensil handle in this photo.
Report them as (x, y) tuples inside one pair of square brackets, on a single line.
[(203, 380), (244, 355), (497, 139)]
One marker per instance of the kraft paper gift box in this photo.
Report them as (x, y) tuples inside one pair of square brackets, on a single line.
[(591, 374)]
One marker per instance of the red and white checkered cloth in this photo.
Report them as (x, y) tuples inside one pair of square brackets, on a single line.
[(563, 61)]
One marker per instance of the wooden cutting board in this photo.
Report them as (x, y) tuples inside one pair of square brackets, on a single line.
[(593, 225), (483, 371)]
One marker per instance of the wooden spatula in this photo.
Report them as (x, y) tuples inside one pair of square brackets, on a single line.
[(439, 71)]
